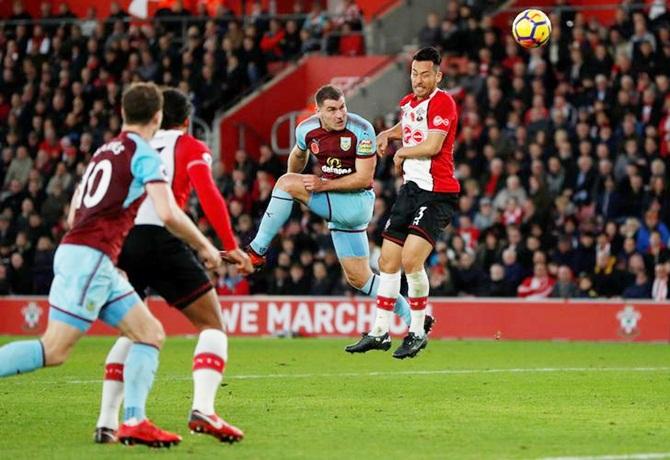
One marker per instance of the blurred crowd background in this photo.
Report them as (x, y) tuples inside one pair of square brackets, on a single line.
[(562, 152)]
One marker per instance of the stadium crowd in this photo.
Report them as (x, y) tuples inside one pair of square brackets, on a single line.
[(61, 86), (562, 152), (563, 157)]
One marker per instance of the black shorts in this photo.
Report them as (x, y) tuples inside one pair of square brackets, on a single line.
[(154, 258), (421, 213)]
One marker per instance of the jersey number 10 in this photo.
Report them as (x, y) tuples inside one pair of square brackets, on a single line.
[(88, 196)]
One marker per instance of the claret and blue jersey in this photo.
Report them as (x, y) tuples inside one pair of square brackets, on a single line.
[(336, 151), (86, 283)]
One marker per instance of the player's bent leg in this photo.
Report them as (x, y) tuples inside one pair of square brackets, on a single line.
[(52, 350), (414, 255), (112, 392), (59, 339), (289, 187), (205, 312), (21, 357)]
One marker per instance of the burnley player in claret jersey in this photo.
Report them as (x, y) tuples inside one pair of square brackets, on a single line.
[(426, 201), (87, 285)]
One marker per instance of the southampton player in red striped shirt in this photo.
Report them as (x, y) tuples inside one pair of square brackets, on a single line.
[(426, 201), (154, 258)]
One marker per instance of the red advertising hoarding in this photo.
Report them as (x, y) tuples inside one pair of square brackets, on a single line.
[(511, 319)]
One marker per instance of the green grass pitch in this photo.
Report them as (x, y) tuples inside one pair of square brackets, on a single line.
[(307, 399)]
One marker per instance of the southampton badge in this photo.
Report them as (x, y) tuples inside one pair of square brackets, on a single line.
[(31, 316), (345, 143), (628, 320)]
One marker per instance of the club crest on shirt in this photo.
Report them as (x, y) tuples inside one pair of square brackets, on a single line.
[(345, 143), (420, 114), (314, 147)]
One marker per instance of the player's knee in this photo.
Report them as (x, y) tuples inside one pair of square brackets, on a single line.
[(288, 183), (55, 354), (388, 265), (159, 335), (153, 334), (411, 262)]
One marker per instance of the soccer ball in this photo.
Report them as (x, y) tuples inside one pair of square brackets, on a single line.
[(531, 28)]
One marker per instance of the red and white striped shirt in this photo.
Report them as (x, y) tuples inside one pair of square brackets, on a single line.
[(188, 166), (437, 112)]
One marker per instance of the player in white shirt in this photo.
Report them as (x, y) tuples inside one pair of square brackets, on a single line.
[(426, 201)]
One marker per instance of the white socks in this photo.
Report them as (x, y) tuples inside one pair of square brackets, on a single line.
[(112, 386), (389, 290), (211, 354), (418, 286), (209, 361)]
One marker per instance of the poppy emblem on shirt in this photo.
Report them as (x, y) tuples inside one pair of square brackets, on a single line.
[(438, 120), (345, 143), (365, 146), (314, 147)]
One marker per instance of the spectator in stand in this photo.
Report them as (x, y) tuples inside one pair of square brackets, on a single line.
[(431, 33), (513, 189), (651, 224), (585, 284), (43, 265), (640, 289), (321, 284), (271, 43), (5, 286), (660, 289), (497, 286), (20, 167), (230, 282), (608, 280), (537, 286), (565, 287), (298, 282), (469, 279), (20, 278)]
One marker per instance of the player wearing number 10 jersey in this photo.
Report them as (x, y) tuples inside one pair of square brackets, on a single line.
[(153, 257), (87, 285)]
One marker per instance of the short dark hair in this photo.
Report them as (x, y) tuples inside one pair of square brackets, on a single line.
[(327, 92), (428, 54), (140, 102), (176, 108)]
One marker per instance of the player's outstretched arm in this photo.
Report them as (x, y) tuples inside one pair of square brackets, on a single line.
[(297, 160), (216, 211), (212, 203), (362, 178), (178, 223)]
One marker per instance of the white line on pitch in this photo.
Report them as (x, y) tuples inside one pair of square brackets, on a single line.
[(519, 370), (652, 456)]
